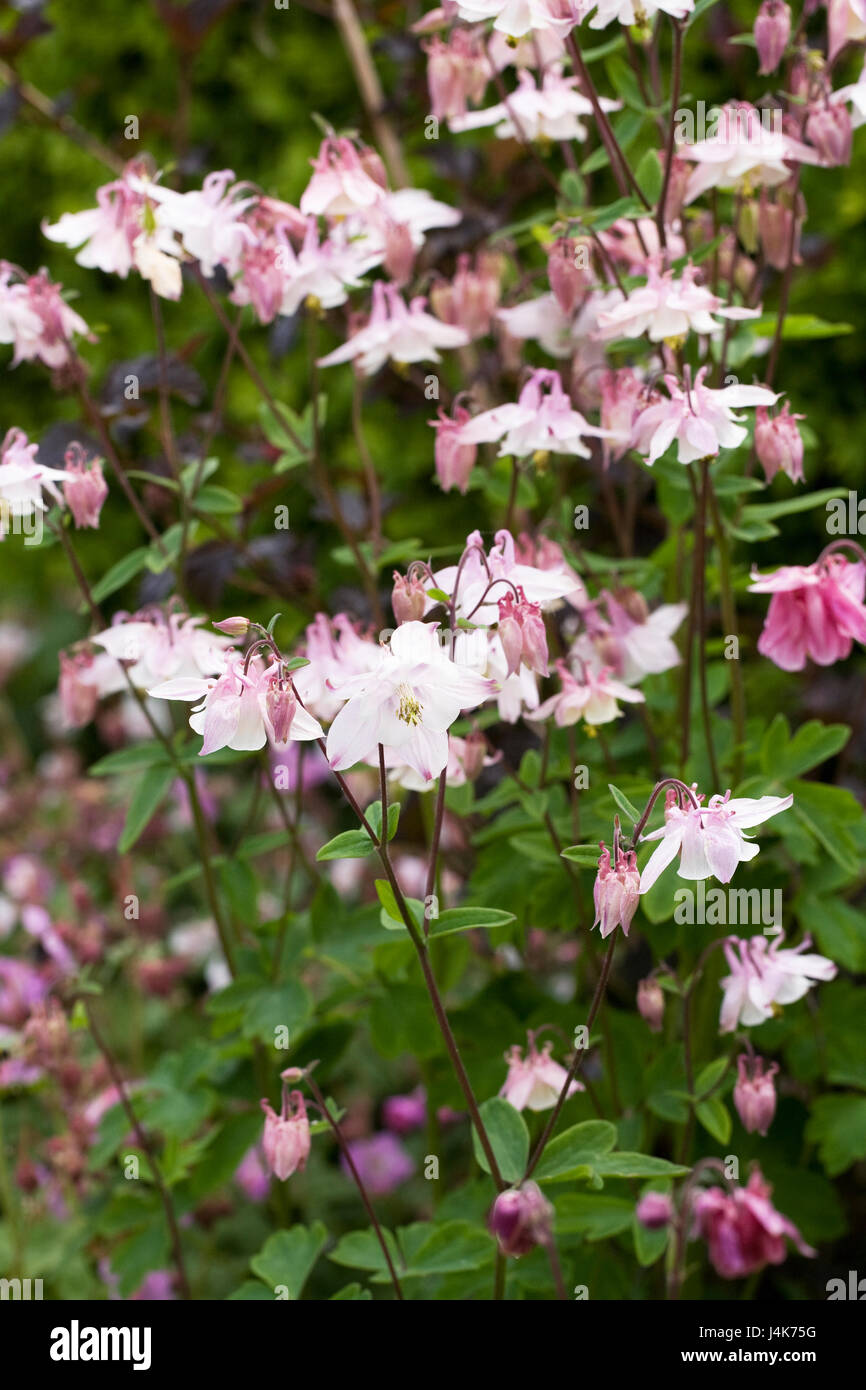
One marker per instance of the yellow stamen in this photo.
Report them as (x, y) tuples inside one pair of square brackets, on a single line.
[(409, 708)]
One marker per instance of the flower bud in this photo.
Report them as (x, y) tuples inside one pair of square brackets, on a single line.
[(474, 753), (774, 229), (655, 1210), (829, 129), (408, 599), (755, 1093), (521, 1219), (651, 1004), (233, 627), (778, 443), (569, 272), (772, 32), (286, 1138), (454, 460), (85, 489), (399, 251), (280, 705), (616, 893)]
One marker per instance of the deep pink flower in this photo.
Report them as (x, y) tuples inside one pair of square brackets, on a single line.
[(402, 1114), (520, 1219), (743, 1230), (382, 1162), (778, 443), (816, 611), (755, 1093), (655, 1211)]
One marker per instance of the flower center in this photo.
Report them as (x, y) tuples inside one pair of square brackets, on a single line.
[(409, 707)]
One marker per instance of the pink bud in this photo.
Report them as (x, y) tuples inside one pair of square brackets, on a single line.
[(772, 31), (521, 1219), (778, 443), (233, 627), (474, 753), (510, 633), (86, 489), (402, 1114), (755, 1094), (399, 251), (774, 229), (454, 461), (655, 1211), (371, 163), (408, 599), (534, 640), (616, 892), (78, 697), (829, 129), (569, 272), (651, 1004), (286, 1139), (280, 704)]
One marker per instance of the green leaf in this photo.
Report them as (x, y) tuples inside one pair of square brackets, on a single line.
[(633, 1165), (281, 1006), (593, 1215), (452, 1248), (456, 919), (587, 855), (286, 1258), (219, 500), (129, 759), (351, 844), (838, 1126), (509, 1139), (801, 502), (650, 176), (147, 796), (139, 1255), (585, 1143), (783, 757), (798, 327), (624, 804), (374, 816), (119, 574), (361, 1250), (648, 1245), (715, 1118)]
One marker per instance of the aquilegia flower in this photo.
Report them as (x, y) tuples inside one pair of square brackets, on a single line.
[(616, 892), (535, 1082), (700, 419), (764, 976), (755, 1093), (247, 705), (542, 420), (396, 331), (816, 611), (742, 1228), (668, 309), (407, 702), (710, 837), (286, 1138)]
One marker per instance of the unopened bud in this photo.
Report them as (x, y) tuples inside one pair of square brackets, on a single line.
[(521, 1219)]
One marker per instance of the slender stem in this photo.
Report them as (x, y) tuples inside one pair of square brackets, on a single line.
[(350, 1164), (144, 1144), (729, 617), (624, 177), (676, 79), (370, 89), (700, 571)]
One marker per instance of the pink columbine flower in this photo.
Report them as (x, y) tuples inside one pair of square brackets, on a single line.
[(655, 1210), (743, 153), (515, 18), (471, 299), (846, 23), (764, 976), (594, 698), (632, 12), (84, 489), (520, 1219), (159, 648), (778, 443), (542, 420), (772, 31), (569, 279), (667, 309), (536, 1081), (403, 1114), (830, 130), (635, 642), (710, 838), (700, 419), (623, 395), (35, 318), (252, 1175), (743, 1230), (408, 598), (23, 480), (382, 1162), (501, 561), (407, 703), (554, 110), (616, 892), (457, 72), (775, 227), (242, 708), (286, 1138), (521, 631), (336, 648), (454, 460), (816, 611), (344, 181), (396, 331), (755, 1093), (209, 222)]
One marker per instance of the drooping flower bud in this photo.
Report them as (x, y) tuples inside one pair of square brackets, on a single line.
[(286, 1138), (521, 1219), (470, 300), (85, 489), (616, 893), (280, 704), (522, 633), (829, 129), (408, 598), (399, 251), (651, 1004), (655, 1210), (473, 754), (454, 460), (569, 271), (774, 228), (755, 1093), (233, 627), (772, 31), (778, 443)]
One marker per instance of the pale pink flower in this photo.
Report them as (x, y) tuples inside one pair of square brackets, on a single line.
[(765, 976), (553, 111), (700, 419), (515, 18), (458, 71), (454, 460), (594, 698), (398, 332), (616, 891), (539, 585), (534, 1082), (160, 648), (667, 309), (755, 1093), (407, 703), (85, 489), (472, 297), (743, 1230), (23, 480), (651, 1003), (542, 420), (631, 12), (772, 32), (846, 23), (341, 181), (636, 243), (336, 648), (830, 129), (286, 1138), (35, 318), (855, 93), (709, 839), (569, 271), (635, 642), (242, 708), (816, 611), (778, 443), (742, 153), (209, 221)]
